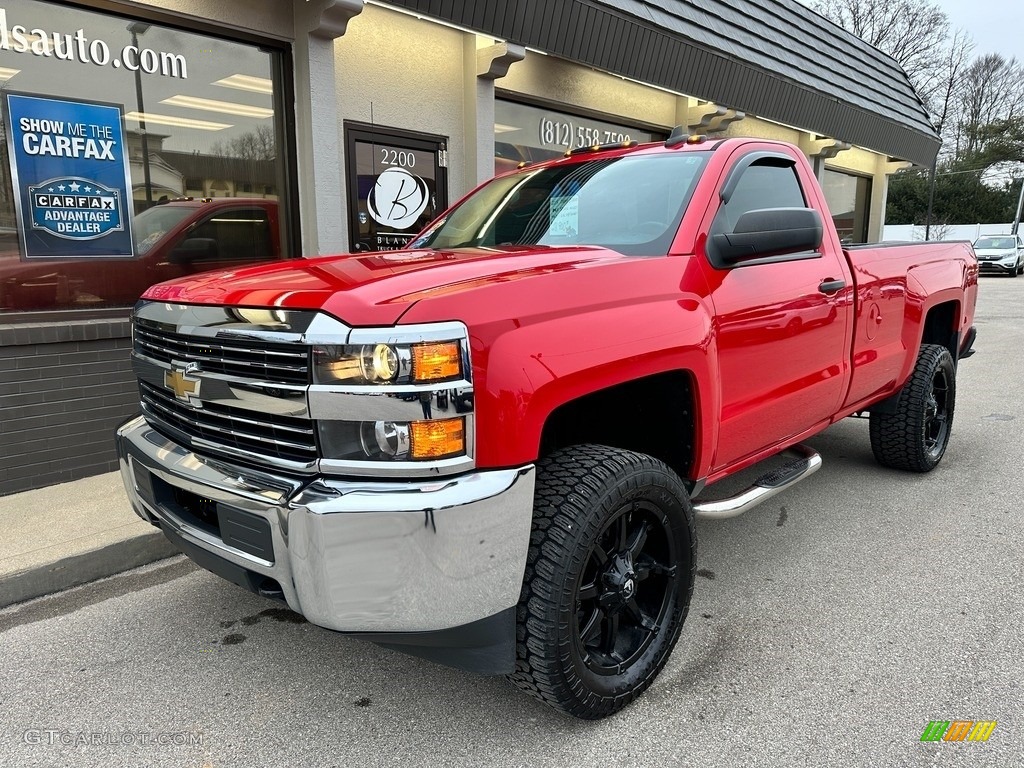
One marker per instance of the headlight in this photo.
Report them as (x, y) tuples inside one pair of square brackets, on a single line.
[(379, 363), (366, 364), (419, 363), (424, 440), (394, 402), (269, 317), (386, 439)]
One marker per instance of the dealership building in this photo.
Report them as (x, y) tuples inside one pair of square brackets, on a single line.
[(279, 117)]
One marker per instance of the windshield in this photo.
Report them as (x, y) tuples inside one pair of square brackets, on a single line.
[(629, 204), (994, 243), (154, 223)]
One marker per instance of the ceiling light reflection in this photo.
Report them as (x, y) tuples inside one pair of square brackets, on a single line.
[(177, 122)]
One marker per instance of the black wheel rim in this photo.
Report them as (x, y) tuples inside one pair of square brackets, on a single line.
[(936, 414), (627, 589)]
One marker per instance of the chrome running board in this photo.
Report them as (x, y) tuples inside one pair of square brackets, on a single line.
[(766, 486)]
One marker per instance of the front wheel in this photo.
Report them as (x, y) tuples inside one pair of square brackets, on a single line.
[(915, 436), (608, 579)]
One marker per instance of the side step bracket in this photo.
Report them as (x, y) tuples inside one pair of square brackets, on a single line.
[(767, 485)]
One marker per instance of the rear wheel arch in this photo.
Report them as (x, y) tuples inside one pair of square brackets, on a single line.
[(942, 325)]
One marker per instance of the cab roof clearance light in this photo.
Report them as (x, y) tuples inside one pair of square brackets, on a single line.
[(679, 136), (601, 147)]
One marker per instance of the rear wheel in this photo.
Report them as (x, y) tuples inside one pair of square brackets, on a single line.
[(915, 436), (608, 579)]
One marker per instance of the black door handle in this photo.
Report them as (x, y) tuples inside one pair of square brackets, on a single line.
[(832, 286)]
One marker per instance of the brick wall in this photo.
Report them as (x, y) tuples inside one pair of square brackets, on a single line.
[(64, 389)]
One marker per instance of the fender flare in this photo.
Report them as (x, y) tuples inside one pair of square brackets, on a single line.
[(533, 370)]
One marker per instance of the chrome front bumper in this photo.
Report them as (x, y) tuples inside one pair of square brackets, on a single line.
[(349, 555)]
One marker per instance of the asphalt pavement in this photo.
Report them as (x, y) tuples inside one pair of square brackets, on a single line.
[(828, 628)]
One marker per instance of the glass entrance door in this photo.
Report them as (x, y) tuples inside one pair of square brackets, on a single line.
[(397, 183)]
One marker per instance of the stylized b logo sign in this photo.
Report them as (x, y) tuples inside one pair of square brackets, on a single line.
[(397, 198)]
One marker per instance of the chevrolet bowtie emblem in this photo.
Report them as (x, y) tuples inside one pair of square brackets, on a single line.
[(184, 388)]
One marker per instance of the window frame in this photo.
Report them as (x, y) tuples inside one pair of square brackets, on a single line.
[(242, 207), (754, 159), (869, 192), (282, 73)]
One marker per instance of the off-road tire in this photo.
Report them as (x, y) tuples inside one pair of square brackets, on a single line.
[(915, 436), (590, 498)]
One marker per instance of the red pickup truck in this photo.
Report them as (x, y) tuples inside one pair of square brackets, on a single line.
[(175, 239), (489, 449)]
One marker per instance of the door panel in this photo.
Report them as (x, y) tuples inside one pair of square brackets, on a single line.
[(781, 340)]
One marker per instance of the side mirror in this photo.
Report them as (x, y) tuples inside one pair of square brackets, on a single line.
[(769, 231), (194, 249)]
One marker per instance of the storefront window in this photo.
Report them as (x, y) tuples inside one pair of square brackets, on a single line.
[(526, 133), (110, 126), (849, 198)]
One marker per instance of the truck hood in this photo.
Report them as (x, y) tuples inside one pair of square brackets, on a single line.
[(363, 290)]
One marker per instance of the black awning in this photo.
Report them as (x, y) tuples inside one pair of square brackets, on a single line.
[(772, 58)]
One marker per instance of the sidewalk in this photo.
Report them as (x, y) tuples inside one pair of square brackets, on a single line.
[(64, 535)]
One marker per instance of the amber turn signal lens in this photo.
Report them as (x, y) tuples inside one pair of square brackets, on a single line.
[(436, 362), (437, 439)]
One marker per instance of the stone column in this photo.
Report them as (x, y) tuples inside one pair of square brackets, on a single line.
[(485, 62), (321, 173)]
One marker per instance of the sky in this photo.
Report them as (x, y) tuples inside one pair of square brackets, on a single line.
[(997, 26)]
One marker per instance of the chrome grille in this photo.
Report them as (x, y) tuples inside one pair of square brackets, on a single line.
[(260, 434), (250, 358)]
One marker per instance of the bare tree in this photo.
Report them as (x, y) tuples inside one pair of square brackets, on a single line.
[(937, 231), (948, 79), (257, 144), (992, 95)]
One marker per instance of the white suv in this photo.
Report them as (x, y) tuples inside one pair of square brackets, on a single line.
[(1000, 254)]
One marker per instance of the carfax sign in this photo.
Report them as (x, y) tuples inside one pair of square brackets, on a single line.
[(69, 165)]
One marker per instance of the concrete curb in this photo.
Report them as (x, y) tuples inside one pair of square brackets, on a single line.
[(81, 568), (62, 536)]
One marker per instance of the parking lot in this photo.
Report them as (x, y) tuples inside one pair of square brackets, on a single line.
[(828, 627)]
